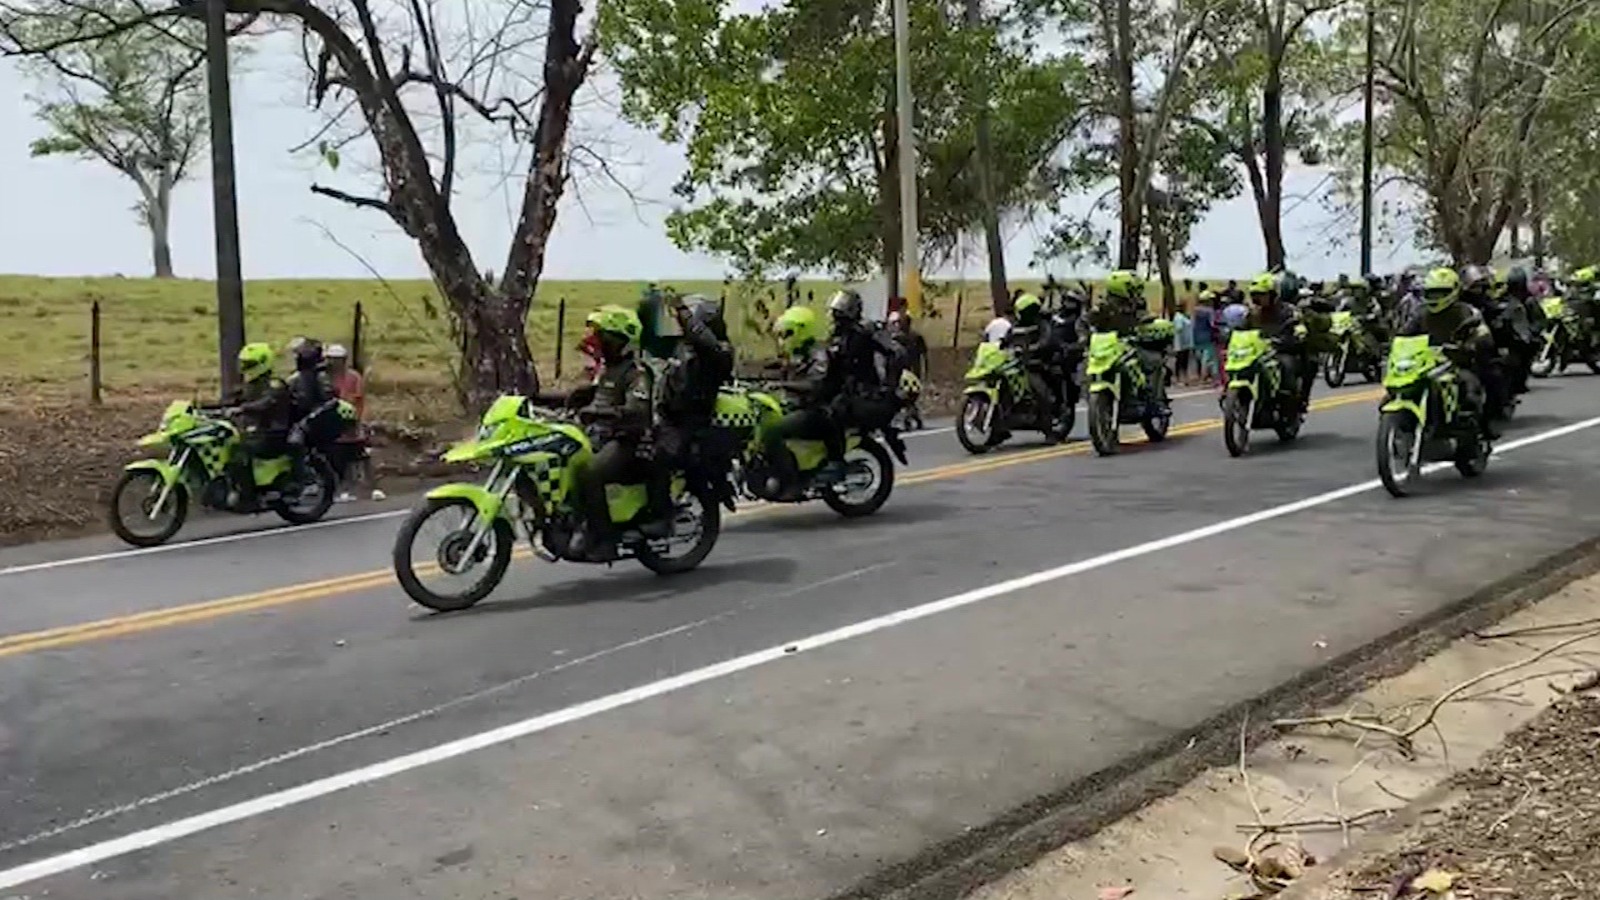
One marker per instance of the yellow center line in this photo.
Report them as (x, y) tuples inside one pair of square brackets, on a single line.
[(151, 620)]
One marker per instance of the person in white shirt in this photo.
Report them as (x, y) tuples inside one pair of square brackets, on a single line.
[(997, 329)]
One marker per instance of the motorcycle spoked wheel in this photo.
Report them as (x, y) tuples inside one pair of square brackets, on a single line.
[(1236, 422)]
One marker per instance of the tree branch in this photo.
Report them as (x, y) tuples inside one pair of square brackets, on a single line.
[(363, 202)]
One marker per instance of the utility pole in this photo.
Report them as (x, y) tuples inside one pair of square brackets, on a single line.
[(1366, 152), (910, 246), (224, 198)]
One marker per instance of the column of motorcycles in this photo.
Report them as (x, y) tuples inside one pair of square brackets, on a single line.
[(530, 454)]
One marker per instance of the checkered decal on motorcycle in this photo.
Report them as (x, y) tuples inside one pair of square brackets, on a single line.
[(212, 454)]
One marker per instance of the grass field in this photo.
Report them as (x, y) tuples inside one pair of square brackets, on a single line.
[(160, 336)]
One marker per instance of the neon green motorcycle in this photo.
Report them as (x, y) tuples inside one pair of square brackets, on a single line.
[(200, 442), (746, 411), (1353, 351), (533, 457), (1564, 343), (1422, 419), (1120, 393), (1000, 397), (1256, 397)]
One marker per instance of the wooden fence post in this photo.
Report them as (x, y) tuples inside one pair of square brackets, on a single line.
[(561, 332), (356, 362), (955, 329), (94, 353)]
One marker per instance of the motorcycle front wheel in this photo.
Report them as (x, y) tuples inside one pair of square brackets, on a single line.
[(1399, 454), (1333, 366), (1545, 363), (139, 527), (975, 424), (490, 559), (1103, 431), (1236, 423)]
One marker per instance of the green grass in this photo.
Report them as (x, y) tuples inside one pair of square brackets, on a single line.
[(161, 336)]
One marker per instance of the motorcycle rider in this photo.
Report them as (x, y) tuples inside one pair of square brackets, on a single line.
[(1477, 285), (1459, 328), (701, 363), (841, 384), (1581, 289), (1039, 346), (1123, 311), (264, 409), (1273, 312), (616, 409)]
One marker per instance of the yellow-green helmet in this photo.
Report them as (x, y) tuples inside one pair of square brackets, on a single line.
[(798, 329), (1027, 309), (1585, 276), (1265, 283), (1440, 288), (255, 361), (1126, 285), (617, 320)]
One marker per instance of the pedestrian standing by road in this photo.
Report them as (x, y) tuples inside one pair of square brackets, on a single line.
[(1182, 344), (997, 329), (352, 463), (1205, 337)]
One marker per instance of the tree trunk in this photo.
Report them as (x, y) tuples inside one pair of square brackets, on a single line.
[(495, 332), (1271, 212), (1536, 224), (889, 202), (998, 291), (161, 249), (160, 222), (1161, 247)]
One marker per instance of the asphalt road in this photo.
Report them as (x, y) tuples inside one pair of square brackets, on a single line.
[(264, 714)]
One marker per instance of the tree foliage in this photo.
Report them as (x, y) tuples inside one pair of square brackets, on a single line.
[(788, 118)]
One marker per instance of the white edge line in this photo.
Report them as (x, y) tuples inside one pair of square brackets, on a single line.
[(172, 831), (198, 542)]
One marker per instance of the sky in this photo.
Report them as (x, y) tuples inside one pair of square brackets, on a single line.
[(62, 216)]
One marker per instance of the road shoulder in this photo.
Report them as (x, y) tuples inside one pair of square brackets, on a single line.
[(1473, 769)]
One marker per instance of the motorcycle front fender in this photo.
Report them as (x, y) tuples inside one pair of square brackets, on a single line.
[(487, 504), (169, 473)]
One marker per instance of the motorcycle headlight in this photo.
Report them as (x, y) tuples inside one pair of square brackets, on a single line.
[(485, 432), (1404, 365)]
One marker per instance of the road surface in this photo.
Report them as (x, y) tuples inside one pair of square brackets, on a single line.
[(263, 714)]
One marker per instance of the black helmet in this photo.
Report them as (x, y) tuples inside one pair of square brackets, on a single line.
[(703, 311), (308, 356), (846, 306), (1517, 281), (1476, 279)]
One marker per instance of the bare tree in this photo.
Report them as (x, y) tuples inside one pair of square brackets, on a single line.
[(1165, 36), (134, 101), (410, 84), (1469, 82)]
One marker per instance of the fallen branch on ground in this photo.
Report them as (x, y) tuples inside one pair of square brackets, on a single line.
[(1404, 738)]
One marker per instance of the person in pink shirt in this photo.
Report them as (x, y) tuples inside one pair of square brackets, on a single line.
[(349, 386)]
